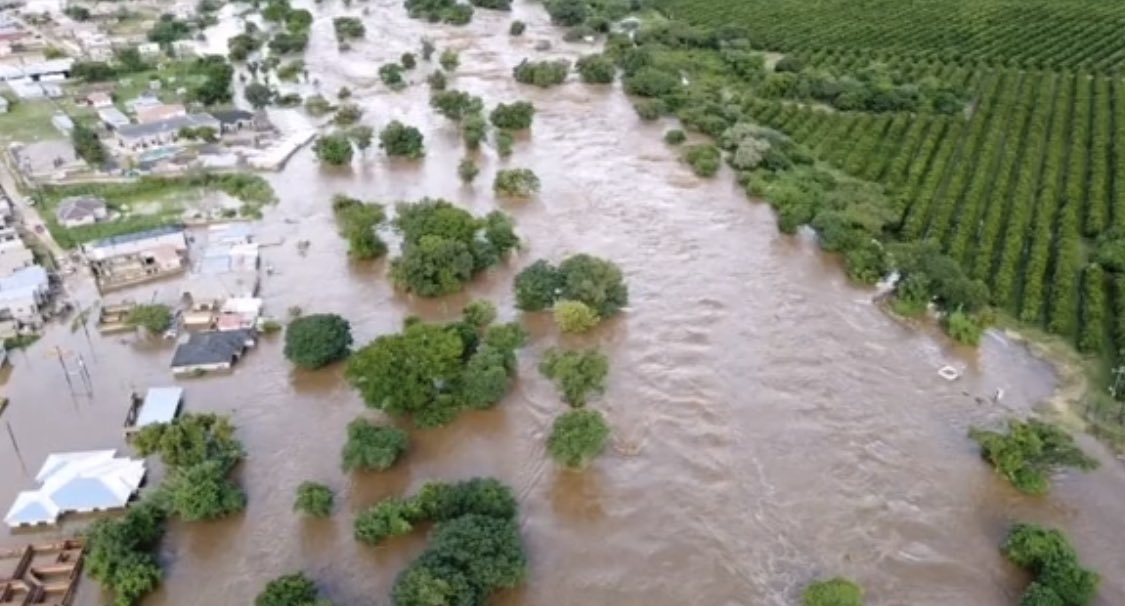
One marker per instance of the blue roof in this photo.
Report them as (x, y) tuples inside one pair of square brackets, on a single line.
[(160, 406), (33, 512), (137, 235), (84, 494)]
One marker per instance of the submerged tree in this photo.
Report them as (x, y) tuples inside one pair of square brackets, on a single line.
[(514, 116), (334, 149), (289, 590), (358, 221), (577, 374), (314, 499), (596, 282), (575, 317), (155, 318), (833, 592), (577, 437), (1059, 577), (515, 183), (1030, 452), (372, 447), (317, 340), (398, 139)]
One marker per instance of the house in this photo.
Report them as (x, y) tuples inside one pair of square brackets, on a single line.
[(137, 257), (14, 256), (159, 113), (212, 350), (25, 88), (239, 312), (98, 100), (36, 70), (160, 405), (232, 120), (80, 210), (142, 101), (135, 136), (79, 482), (23, 293), (113, 118)]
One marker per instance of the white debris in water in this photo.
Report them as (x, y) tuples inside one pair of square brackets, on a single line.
[(949, 373)]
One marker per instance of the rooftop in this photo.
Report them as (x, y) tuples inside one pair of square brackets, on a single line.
[(136, 236), (230, 116), (77, 481), (204, 348), (79, 207), (171, 125), (114, 117), (161, 405)]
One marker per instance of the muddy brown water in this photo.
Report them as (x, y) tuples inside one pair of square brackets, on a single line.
[(771, 425)]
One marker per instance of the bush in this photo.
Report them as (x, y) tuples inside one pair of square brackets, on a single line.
[(449, 59), (577, 437), (537, 286), (455, 105), (317, 105), (650, 109), (1048, 555), (348, 28), (517, 28), (596, 69), (437, 81), (289, 590), (675, 137), (317, 340), (358, 222), (833, 592), (515, 183), (788, 63), (515, 116), (504, 143), (474, 130), (543, 74), (119, 552), (496, 5), (568, 13), (88, 146), (334, 149), (434, 11), (596, 282), (202, 492), (964, 328), (575, 317), (398, 139), (577, 374), (314, 499), (190, 440), (391, 75), (652, 82), (704, 159), (435, 502), (155, 318), (372, 447), (1030, 452), (408, 61), (467, 170)]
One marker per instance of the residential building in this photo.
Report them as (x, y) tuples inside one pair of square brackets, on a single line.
[(212, 350), (234, 119), (160, 405), (159, 113), (137, 257), (80, 210), (98, 100), (23, 293), (113, 118), (77, 482), (36, 70), (164, 132), (142, 101), (48, 159), (14, 256), (26, 88)]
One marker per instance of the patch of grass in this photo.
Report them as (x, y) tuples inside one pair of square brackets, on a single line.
[(29, 121)]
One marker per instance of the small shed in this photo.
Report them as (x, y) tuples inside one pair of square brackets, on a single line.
[(160, 405)]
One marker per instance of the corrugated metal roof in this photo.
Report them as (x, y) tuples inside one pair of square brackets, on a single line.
[(160, 406)]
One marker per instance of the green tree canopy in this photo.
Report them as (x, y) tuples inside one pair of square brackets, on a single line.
[(449, 59), (289, 590), (213, 77), (577, 437), (543, 74), (190, 440), (314, 499), (357, 222), (391, 75), (372, 447), (596, 69), (334, 149), (515, 183), (575, 317), (833, 592), (513, 116), (317, 340), (596, 282), (398, 139), (258, 95), (155, 318), (202, 492), (455, 105), (1049, 557), (577, 373), (88, 146), (445, 246), (348, 28), (119, 552), (1030, 452), (431, 372)]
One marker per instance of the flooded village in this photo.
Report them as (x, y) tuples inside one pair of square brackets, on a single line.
[(769, 423)]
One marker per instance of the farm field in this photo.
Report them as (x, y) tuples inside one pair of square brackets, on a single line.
[(1024, 187)]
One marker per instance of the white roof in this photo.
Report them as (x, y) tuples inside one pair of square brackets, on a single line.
[(243, 305), (77, 481), (160, 406)]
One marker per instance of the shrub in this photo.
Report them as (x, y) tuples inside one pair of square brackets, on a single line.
[(833, 592), (543, 74), (288, 590), (516, 183), (575, 317), (398, 139), (577, 374), (314, 499), (119, 552), (568, 13), (704, 159), (596, 69), (964, 328), (155, 318), (596, 282), (1030, 452), (1048, 555), (203, 492), (317, 340), (348, 28), (577, 437), (467, 170), (437, 81), (504, 143), (650, 109), (514, 116), (455, 105), (449, 59), (517, 28), (372, 447), (474, 130), (408, 61), (334, 149), (391, 75), (358, 222), (317, 105), (675, 137)]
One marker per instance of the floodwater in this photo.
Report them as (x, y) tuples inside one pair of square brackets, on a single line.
[(771, 425)]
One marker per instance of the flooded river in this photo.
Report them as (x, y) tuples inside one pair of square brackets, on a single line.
[(771, 425)]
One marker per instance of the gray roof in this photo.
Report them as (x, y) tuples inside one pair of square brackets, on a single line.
[(230, 116), (213, 347), (79, 207), (136, 236), (171, 125), (160, 406), (113, 117)]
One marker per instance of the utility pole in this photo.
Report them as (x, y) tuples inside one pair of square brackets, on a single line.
[(16, 447)]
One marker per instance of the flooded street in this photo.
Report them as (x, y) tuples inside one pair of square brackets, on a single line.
[(770, 423)]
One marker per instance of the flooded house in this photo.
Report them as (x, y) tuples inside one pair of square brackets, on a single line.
[(22, 297), (211, 351), (138, 257), (81, 210), (77, 482)]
